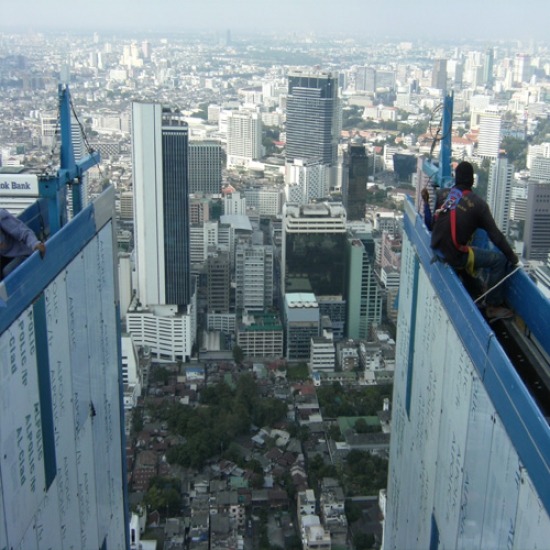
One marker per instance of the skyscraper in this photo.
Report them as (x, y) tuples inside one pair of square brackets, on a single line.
[(205, 169), (536, 235), (364, 293), (160, 157), (163, 314), (469, 466), (313, 117), (490, 135), (253, 277), (244, 137), (314, 249), (355, 188), (499, 191), (439, 74)]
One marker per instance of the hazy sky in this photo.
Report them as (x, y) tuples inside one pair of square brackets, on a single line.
[(480, 19)]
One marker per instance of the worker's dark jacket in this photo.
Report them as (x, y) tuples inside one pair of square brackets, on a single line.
[(472, 213)]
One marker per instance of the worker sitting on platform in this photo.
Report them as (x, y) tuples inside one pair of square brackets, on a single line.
[(459, 213), (17, 242)]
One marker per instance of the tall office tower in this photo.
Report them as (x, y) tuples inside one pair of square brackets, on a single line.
[(203, 238), (469, 466), (313, 118), (439, 74), (205, 167), (306, 180), (48, 128), (301, 323), (63, 472), (244, 138), (364, 296), (499, 191), (146, 49), (127, 206), (253, 277), (536, 236), (161, 205), (522, 68), (488, 67), (365, 79), (490, 135), (354, 189), (313, 254), (218, 283), (163, 316)]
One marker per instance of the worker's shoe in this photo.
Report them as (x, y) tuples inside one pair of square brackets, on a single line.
[(498, 312)]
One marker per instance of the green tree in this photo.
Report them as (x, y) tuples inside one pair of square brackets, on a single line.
[(363, 541), (516, 150), (238, 354)]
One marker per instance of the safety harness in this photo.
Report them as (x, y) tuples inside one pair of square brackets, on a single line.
[(450, 204)]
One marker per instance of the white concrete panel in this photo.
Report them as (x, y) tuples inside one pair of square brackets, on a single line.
[(48, 524), (58, 306), (78, 340), (532, 528), (501, 495), (476, 467), (86, 487), (22, 454)]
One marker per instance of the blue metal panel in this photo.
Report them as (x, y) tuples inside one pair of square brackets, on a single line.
[(522, 419), (27, 281)]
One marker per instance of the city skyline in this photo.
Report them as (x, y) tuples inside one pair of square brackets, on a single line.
[(424, 18)]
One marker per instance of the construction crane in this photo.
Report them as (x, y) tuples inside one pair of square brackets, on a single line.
[(69, 175)]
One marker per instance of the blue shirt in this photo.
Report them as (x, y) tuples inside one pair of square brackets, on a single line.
[(16, 239)]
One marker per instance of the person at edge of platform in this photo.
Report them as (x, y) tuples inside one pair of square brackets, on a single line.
[(17, 241), (459, 213)]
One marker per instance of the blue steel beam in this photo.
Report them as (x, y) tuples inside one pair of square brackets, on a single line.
[(54, 188)]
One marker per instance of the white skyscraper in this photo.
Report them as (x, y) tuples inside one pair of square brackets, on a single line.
[(489, 135), (306, 180), (163, 315), (244, 137), (499, 191), (254, 277)]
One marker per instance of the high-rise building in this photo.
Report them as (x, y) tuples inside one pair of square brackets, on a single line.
[(488, 67), (313, 117), (63, 478), (536, 235), (314, 249), (244, 137), (306, 180), (253, 277), (469, 466), (490, 135), (163, 313), (499, 191), (354, 188), (205, 168), (364, 298), (218, 283), (439, 74), (161, 205), (365, 79), (522, 68), (301, 322)]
